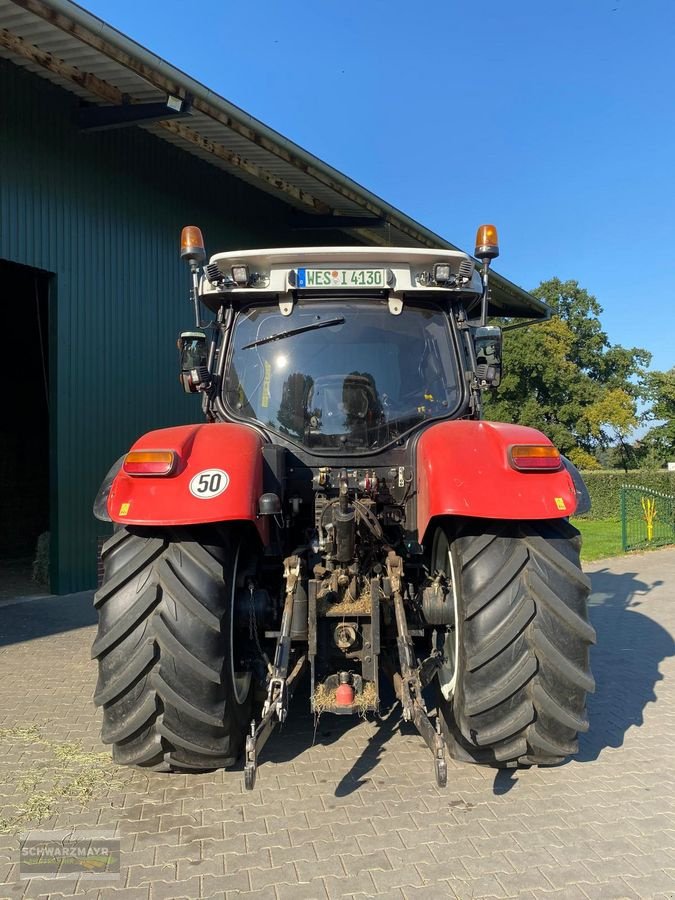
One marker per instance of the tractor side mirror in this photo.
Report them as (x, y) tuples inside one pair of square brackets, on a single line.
[(487, 341), (194, 372)]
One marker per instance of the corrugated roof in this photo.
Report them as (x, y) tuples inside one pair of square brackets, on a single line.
[(60, 41)]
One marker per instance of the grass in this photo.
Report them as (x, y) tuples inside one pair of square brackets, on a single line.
[(601, 538), (59, 774)]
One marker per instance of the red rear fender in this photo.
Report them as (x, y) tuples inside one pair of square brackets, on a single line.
[(218, 477), (463, 470)]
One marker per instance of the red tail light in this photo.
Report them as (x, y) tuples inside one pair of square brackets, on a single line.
[(534, 457), (150, 462)]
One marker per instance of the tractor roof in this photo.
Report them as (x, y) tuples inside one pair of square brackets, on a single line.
[(404, 265)]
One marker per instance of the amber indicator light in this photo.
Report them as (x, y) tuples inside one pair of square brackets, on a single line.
[(534, 457), (149, 462)]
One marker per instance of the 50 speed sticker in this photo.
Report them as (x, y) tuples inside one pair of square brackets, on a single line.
[(209, 483)]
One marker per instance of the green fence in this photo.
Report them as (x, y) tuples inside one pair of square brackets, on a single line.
[(647, 518)]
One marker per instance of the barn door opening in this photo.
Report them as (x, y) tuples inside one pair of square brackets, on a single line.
[(24, 436)]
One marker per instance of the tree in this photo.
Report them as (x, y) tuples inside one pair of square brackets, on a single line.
[(582, 459), (565, 378), (660, 440)]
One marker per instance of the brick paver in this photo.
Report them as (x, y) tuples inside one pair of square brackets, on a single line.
[(353, 810)]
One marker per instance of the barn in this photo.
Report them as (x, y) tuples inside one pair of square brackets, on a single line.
[(106, 151)]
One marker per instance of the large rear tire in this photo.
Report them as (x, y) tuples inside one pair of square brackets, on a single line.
[(513, 690), (168, 682)]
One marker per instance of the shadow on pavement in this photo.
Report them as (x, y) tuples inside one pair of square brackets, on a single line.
[(625, 660), (303, 732), (371, 756), (31, 619), (505, 781)]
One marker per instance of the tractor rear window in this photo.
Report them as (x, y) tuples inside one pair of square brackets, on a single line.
[(342, 375)]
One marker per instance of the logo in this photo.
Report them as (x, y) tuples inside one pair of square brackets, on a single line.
[(209, 483), (64, 854)]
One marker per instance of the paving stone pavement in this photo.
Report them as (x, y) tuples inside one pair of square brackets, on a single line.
[(352, 811)]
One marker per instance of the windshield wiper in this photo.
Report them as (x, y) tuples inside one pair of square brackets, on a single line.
[(284, 334)]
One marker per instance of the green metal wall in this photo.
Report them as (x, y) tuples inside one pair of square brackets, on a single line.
[(103, 212)]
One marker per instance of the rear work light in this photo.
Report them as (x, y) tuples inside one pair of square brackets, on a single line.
[(149, 462), (534, 457), (240, 275)]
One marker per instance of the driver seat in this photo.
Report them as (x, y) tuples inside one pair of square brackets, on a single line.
[(358, 397)]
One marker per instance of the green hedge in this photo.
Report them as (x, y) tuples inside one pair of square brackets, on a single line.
[(605, 487)]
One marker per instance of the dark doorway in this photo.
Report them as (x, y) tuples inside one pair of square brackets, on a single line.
[(24, 436)]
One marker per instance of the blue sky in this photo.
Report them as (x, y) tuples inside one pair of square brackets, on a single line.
[(551, 118)]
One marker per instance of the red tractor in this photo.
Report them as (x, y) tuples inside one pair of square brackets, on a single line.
[(344, 510)]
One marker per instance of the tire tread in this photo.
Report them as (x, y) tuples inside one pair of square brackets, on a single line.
[(523, 672), (163, 681)]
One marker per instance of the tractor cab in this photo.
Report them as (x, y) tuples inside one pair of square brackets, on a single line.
[(345, 349)]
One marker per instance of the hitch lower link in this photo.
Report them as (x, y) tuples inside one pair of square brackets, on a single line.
[(412, 678), (280, 684)]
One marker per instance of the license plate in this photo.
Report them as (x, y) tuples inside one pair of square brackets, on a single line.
[(341, 278)]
